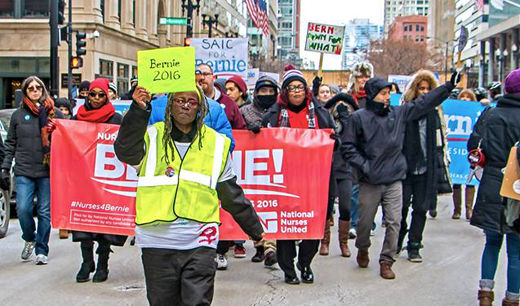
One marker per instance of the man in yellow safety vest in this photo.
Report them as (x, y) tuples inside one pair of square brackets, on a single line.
[(184, 168)]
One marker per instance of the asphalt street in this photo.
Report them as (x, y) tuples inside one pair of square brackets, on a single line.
[(448, 276)]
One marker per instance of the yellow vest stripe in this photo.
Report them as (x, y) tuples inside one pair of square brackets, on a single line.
[(220, 142), (151, 163)]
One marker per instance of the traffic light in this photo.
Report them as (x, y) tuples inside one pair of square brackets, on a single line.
[(81, 44), (187, 41), (76, 62), (61, 11)]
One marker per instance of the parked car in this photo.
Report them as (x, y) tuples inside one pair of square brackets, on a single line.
[(6, 205)]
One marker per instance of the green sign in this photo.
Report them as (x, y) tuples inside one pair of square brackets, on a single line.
[(167, 70), (173, 20)]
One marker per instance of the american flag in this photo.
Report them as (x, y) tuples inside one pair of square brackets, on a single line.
[(258, 11), (479, 4)]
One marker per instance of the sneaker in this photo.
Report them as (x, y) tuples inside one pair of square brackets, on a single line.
[(27, 250), (41, 260), (240, 251), (414, 256), (221, 262), (372, 233), (352, 233)]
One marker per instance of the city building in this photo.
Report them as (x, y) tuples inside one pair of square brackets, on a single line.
[(441, 21), (116, 30), (498, 43), (358, 35), (289, 32), (395, 8), (468, 15), (412, 28)]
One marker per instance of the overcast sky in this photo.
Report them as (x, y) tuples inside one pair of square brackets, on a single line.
[(335, 12)]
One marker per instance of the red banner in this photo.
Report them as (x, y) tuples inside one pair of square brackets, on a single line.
[(284, 172)]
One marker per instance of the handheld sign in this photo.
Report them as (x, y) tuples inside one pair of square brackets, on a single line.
[(324, 38), (167, 70), (226, 56)]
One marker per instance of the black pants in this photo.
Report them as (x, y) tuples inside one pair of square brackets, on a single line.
[(344, 188), (414, 193), (179, 277), (286, 252)]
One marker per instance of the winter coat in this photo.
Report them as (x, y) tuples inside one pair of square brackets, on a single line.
[(24, 144), (117, 240), (232, 112), (130, 148), (498, 129), (215, 119), (373, 144)]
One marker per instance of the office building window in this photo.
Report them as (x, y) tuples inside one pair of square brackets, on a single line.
[(7, 8), (102, 7), (24, 8), (106, 69), (122, 78)]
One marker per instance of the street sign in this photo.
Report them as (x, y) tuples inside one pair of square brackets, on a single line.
[(76, 80), (173, 20)]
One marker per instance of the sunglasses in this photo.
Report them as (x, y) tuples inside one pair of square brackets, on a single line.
[(34, 88), (94, 94), (191, 103)]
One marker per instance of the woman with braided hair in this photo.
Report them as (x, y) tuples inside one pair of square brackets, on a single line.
[(184, 169)]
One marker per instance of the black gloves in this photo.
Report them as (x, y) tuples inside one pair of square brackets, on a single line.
[(5, 180), (255, 128), (316, 82), (455, 78)]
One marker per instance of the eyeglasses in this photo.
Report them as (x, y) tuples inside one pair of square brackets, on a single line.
[(191, 103), (203, 74), (34, 88), (295, 88), (94, 94)]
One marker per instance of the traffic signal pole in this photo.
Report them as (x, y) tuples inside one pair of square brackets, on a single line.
[(53, 21), (69, 42)]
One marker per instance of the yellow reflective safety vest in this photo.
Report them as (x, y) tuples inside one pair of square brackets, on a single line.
[(189, 191)]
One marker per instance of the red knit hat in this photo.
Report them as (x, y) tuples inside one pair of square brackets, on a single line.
[(240, 83), (100, 83)]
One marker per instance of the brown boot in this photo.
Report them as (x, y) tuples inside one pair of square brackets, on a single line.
[(64, 234), (485, 298), (386, 270), (344, 227), (362, 258), (457, 201), (506, 302), (324, 249), (470, 195)]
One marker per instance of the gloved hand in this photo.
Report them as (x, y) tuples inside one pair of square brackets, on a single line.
[(455, 78), (254, 128), (5, 180), (316, 82)]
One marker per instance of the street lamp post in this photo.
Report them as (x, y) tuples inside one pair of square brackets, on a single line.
[(189, 7), (210, 21)]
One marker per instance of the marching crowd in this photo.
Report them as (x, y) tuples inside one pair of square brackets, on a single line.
[(395, 157)]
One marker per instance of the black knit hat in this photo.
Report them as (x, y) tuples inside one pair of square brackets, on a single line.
[(266, 81), (84, 86)]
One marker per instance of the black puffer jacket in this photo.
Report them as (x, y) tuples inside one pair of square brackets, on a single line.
[(373, 144), (499, 130), (24, 144)]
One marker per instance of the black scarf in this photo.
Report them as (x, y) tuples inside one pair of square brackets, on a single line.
[(377, 108)]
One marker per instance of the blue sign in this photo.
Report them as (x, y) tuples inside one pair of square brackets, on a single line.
[(122, 106)]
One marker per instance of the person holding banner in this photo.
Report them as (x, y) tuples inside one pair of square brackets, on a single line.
[(464, 95), (296, 108), (496, 132), (265, 94), (425, 150), (28, 143), (97, 109), (184, 169), (373, 144)]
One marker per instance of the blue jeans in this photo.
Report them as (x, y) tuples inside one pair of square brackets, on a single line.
[(26, 189), (490, 258)]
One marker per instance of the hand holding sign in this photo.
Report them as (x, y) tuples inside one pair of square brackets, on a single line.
[(141, 96), (167, 70)]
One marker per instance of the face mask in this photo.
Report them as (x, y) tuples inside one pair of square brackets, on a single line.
[(377, 108), (266, 101)]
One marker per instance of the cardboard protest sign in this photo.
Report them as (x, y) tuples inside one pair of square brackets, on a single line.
[(324, 38), (226, 56), (167, 70), (511, 183)]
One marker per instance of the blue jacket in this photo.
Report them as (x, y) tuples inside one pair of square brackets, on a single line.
[(215, 119)]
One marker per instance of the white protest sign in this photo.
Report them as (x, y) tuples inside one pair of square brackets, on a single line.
[(324, 38), (252, 76), (226, 56), (400, 80)]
